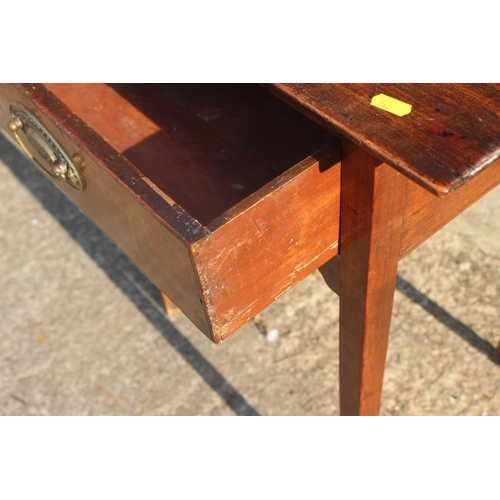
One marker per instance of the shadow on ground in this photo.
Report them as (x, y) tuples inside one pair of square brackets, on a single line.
[(456, 326), (132, 282)]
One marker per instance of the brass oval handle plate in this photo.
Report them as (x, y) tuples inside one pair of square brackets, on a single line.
[(42, 149)]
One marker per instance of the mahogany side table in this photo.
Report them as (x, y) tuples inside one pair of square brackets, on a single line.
[(226, 196)]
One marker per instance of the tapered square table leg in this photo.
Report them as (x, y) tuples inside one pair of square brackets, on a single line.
[(371, 216)]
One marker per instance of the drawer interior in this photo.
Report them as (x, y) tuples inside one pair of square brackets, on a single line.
[(205, 146)]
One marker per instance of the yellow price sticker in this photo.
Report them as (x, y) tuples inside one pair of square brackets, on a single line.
[(394, 106)]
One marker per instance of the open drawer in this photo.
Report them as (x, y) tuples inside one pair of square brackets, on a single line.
[(223, 195)]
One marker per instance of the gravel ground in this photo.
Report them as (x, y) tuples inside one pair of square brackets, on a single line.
[(83, 333)]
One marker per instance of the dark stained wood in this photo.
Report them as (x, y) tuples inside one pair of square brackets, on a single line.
[(205, 146), (425, 213), (372, 206), (451, 134), (255, 255)]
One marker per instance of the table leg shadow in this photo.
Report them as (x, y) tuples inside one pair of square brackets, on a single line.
[(456, 326)]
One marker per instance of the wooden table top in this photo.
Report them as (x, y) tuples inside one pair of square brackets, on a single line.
[(451, 134)]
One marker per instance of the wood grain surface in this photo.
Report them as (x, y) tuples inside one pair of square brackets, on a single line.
[(371, 219), (256, 253), (425, 213), (451, 134)]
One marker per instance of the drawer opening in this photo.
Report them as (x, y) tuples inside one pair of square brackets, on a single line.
[(206, 147)]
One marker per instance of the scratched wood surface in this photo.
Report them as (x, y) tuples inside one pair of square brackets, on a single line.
[(256, 253), (451, 134)]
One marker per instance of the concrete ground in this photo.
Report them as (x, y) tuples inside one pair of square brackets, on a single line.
[(82, 331)]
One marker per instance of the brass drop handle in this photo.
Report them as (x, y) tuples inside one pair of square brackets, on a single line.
[(42, 149)]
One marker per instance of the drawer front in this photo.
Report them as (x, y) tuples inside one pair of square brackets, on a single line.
[(133, 216)]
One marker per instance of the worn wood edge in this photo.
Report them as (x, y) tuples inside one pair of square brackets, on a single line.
[(220, 331), (282, 91), (123, 172), (326, 157)]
